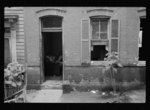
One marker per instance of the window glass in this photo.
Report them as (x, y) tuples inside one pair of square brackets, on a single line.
[(99, 28), (95, 29), (103, 35), (114, 45), (103, 25), (7, 55), (114, 28), (51, 22), (7, 29)]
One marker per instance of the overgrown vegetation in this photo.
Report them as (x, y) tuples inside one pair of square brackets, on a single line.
[(112, 61), (13, 74), (14, 81)]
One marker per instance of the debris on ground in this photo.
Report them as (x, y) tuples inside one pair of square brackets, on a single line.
[(92, 96)]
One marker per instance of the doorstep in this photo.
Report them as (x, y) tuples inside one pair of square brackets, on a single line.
[(51, 84)]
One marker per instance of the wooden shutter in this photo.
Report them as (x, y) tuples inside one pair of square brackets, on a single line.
[(85, 41), (115, 35)]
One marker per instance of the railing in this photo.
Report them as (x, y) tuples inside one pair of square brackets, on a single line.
[(12, 89)]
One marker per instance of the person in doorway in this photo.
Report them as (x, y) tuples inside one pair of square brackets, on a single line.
[(51, 59), (59, 62)]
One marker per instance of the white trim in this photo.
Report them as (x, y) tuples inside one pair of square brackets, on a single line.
[(13, 41), (109, 35), (141, 63), (89, 42), (63, 51), (41, 46), (47, 12), (102, 40), (51, 30), (119, 34), (41, 53)]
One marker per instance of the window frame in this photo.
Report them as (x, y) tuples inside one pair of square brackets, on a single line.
[(8, 36), (10, 45), (105, 42), (11, 22), (108, 24), (51, 29)]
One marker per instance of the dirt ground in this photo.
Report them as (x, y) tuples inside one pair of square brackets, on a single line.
[(57, 96)]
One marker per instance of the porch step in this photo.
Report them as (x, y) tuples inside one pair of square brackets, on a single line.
[(51, 87), (52, 84)]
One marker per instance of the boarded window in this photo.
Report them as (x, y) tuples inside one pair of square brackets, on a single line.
[(114, 35), (85, 57)]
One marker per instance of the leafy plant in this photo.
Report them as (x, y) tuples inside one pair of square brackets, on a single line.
[(13, 74), (112, 61)]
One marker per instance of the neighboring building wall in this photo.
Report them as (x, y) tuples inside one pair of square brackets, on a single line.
[(20, 42)]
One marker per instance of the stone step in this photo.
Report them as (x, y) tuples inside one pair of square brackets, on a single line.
[(52, 84)]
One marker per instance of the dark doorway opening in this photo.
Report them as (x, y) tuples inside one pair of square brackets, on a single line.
[(98, 53), (52, 55), (142, 39)]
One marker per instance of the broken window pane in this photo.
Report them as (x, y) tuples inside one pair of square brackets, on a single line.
[(99, 52)]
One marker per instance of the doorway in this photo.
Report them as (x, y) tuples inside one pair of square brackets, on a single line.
[(52, 55), (142, 39)]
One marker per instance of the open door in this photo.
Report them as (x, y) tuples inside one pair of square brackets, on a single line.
[(52, 55)]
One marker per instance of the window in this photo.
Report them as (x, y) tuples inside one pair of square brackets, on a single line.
[(99, 28), (99, 38), (51, 22), (7, 52), (9, 40), (141, 41), (7, 43), (98, 53)]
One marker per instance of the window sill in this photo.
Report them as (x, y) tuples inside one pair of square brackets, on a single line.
[(98, 63), (99, 42), (141, 63)]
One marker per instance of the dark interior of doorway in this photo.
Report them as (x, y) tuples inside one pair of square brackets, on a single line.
[(98, 53), (52, 55), (141, 49)]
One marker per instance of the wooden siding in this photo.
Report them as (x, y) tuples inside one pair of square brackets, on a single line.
[(20, 38)]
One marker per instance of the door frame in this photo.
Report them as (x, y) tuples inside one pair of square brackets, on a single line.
[(41, 46)]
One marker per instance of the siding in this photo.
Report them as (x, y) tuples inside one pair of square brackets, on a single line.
[(20, 38)]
